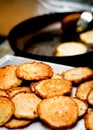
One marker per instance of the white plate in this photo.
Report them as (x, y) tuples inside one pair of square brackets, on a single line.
[(9, 59)]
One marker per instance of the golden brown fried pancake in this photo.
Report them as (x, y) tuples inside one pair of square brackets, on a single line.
[(58, 112), (70, 49), (82, 107), (83, 90), (53, 87), (25, 105), (79, 74), (88, 120), (14, 90), (34, 71), (8, 77), (17, 123), (87, 37), (90, 97), (6, 110)]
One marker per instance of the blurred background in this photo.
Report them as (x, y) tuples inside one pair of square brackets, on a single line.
[(14, 11)]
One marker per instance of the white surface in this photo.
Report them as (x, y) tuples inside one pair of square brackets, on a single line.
[(9, 59)]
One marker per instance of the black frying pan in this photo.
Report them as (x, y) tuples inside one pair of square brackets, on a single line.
[(29, 33)]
